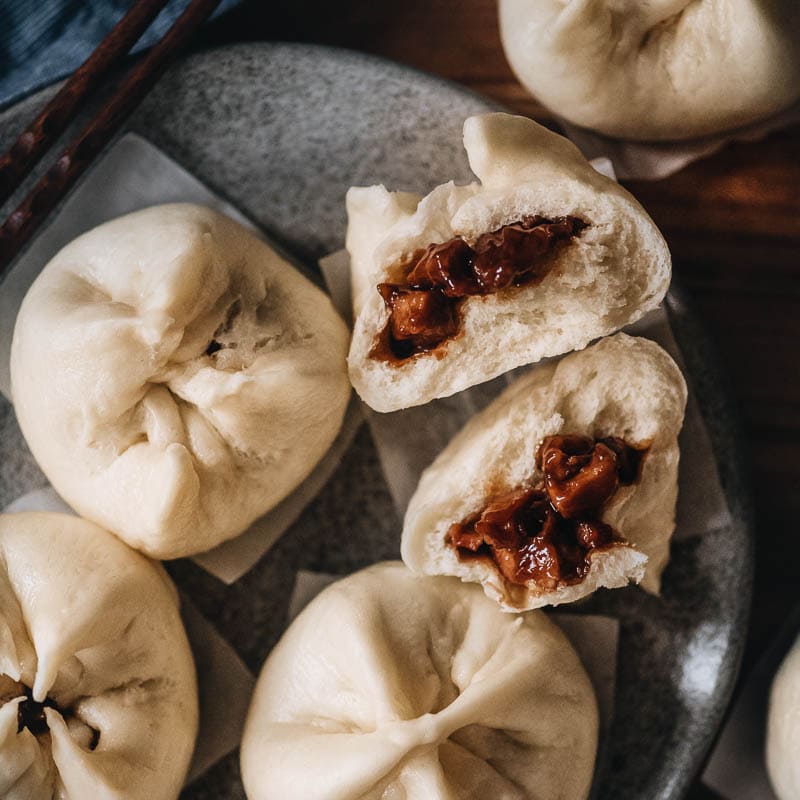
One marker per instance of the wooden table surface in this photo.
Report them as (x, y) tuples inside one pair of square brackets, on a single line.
[(732, 222)]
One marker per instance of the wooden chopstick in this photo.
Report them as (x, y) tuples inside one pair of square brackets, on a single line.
[(71, 164), (38, 137)]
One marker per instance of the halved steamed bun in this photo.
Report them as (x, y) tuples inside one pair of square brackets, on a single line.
[(392, 685), (565, 483), (176, 378), (98, 696), (541, 257), (662, 69)]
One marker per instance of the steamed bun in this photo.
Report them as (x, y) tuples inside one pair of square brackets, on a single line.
[(621, 391), (176, 378), (783, 728), (595, 262), (662, 69), (98, 697), (391, 685)]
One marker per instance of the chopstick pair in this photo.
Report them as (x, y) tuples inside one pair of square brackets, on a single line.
[(32, 144)]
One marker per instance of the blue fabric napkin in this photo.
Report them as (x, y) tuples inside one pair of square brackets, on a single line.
[(44, 40)]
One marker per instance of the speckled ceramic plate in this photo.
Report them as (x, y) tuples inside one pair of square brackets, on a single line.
[(282, 131)]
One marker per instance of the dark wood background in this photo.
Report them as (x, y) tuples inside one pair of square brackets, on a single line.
[(732, 222)]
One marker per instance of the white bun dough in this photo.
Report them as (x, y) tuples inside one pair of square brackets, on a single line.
[(176, 378), (391, 685), (611, 274), (660, 70), (783, 728), (92, 628), (622, 386)]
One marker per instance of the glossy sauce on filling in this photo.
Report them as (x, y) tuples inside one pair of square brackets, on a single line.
[(424, 303), (546, 533)]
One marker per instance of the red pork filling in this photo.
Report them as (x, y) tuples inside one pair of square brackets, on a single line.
[(425, 302), (545, 534)]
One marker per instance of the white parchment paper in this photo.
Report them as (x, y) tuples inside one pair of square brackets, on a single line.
[(225, 685), (655, 160), (134, 174)]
